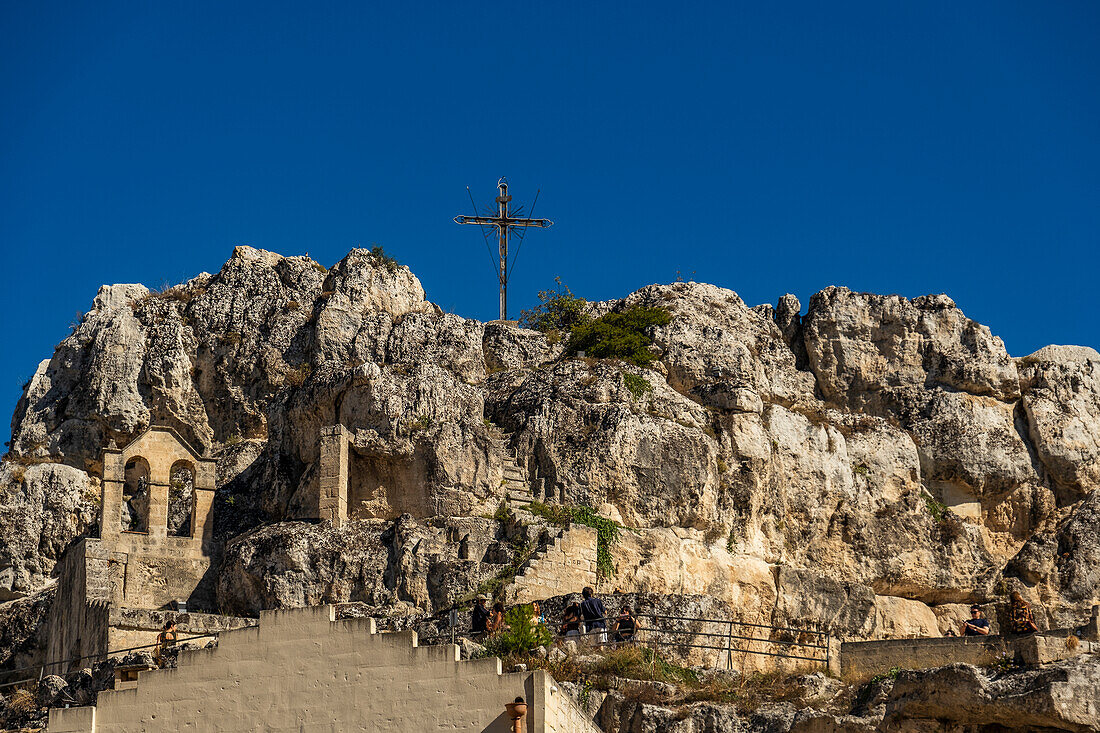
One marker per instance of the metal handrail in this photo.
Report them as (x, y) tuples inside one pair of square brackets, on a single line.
[(816, 632), (655, 630), (104, 655)]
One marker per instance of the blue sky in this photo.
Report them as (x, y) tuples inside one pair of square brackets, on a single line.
[(766, 147)]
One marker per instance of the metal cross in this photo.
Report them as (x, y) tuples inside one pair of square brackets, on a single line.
[(503, 221)]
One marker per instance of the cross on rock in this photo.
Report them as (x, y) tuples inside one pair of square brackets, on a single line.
[(504, 221)]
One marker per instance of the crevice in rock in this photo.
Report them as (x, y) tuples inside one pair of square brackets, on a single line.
[(1023, 429)]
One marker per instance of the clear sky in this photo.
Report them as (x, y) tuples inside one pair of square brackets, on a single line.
[(903, 148)]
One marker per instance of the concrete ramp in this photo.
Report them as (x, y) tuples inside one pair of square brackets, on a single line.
[(301, 670)]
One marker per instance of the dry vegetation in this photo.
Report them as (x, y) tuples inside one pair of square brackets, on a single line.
[(614, 668)]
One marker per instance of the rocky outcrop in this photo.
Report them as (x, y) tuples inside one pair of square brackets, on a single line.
[(1060, 568), (1059, 697), (23, 629), (43, 508), (1064, 696), (396, 567), (874, 353), (871, 464), (1062, 403)]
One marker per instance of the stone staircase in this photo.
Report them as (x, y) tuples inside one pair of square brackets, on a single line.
[(565, 564), (516, 485)]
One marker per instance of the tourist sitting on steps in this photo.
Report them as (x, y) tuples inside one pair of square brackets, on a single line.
[(1020, 619), (595, 616), (571, 621), (479, 617), (975, 625), (626, 625), (165, 641)]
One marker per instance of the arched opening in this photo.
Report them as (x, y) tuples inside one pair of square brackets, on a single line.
[(135, 496), (181, 498)]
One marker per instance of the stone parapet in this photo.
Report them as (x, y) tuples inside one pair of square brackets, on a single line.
[(860, 660)]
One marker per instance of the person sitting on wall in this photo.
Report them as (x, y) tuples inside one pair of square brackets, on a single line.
[(625, 627), (975, 625), (595, 616), (1020, 619), (571, 621), (479, 617), (166, 640)]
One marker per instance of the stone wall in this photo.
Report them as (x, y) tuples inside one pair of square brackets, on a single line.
[(860, 660), (88, 618), (77, 625), (301, 670), (130, 627), (364, 483), (567, 565)]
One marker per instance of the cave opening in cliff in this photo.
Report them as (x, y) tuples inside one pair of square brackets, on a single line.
[(384, 486)]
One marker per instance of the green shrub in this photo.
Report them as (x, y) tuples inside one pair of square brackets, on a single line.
[(520, 633), (638, 386), (619, 335), (558, 310), (937, 509), (501, 514), (383, 259), (890, 675), (422, 423)]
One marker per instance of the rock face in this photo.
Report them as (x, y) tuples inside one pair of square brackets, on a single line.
[(23, 629), (1062, 403), (1062, 696), (396, 567), (43, 507), (1059, 697), (869, 465)]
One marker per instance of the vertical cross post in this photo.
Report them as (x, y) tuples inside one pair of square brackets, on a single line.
[(502, 203)]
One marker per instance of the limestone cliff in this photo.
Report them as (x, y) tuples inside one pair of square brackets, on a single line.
[(871, 463)]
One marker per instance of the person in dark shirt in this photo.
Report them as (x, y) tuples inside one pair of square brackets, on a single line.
[(625, 626), (975, 625), (571, 621), (595, 616), (480, 616)]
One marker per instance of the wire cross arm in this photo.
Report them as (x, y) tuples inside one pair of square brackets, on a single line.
[(496, 221)]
